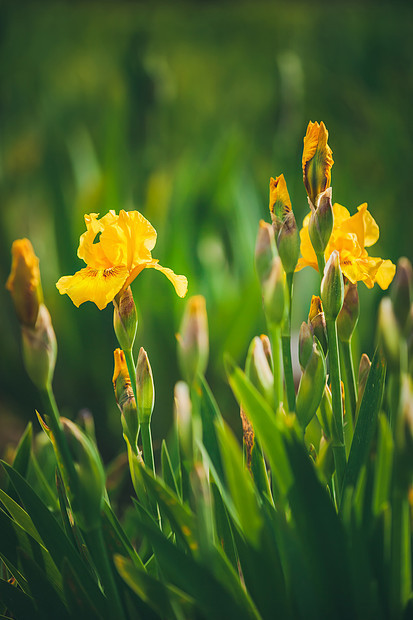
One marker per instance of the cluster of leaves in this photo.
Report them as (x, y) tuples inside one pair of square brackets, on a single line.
[(224, 540)]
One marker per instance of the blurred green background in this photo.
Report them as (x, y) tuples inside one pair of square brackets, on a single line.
[(184, 111)]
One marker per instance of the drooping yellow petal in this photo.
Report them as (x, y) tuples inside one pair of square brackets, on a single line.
[(317, 160), (97, 285), (280, 203), (385, 274), (180, 282)]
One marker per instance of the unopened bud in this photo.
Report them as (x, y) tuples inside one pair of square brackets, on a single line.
[(349, 313), (24, 282), (317, 160), (258, 370), (183, 419), (364, 369), (305, 344), (332, 287), (193, 342), (40, 349), (311, 388), (288, 243), (401, 291), (317, 322), (124, 397), (321, 222), (248, 436), (125, 319), (389, 333), (273, 293), (266, 344), (90, 484), (265, 250), (144, 387)]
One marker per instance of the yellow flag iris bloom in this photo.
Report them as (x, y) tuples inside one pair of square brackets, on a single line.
[(351, 236), (115, 248)]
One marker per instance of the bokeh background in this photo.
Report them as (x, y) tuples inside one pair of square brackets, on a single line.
[(184, 111)]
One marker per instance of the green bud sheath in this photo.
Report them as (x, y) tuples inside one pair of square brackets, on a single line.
[(125, 319), (332, 287)]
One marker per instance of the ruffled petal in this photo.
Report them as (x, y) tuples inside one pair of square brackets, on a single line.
[(90, 249), (97, 285), (129, 241)]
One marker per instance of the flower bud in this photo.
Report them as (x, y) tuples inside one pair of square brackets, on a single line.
[(273, 292), (90, 484), (332, 287), (265, 250), (24, 282), (193, 342), (284, 224), (321, 222), (389, 333), (317, 322), (125, 319), (266, 344), (40, 349), (349, 314), (125, 398), (305, 344), (311, 388), (258, 370), (364, 369), (317, 160), (401, 291), (248, 436), (183, 419), (144, 387), (288, 243)]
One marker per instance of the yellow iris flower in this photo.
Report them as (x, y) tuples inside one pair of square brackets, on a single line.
[(115, 248), (350, 236)]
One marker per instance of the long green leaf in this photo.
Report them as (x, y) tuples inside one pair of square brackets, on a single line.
[(54, 537), (268, 426), (46, 598), (240, 484), (20, 604), (212, 597), (367, 420), (22, 456)]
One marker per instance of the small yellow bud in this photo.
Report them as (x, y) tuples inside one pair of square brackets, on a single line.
[(124, 397), (317, 322), (24, 282)]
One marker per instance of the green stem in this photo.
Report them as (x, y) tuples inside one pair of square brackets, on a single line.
[(286, 347), (321, 261), (147, 446), (349, 380), (97, 548), (130, 363), (275, 332), (61, 447), (400, 562), (339, 449)]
